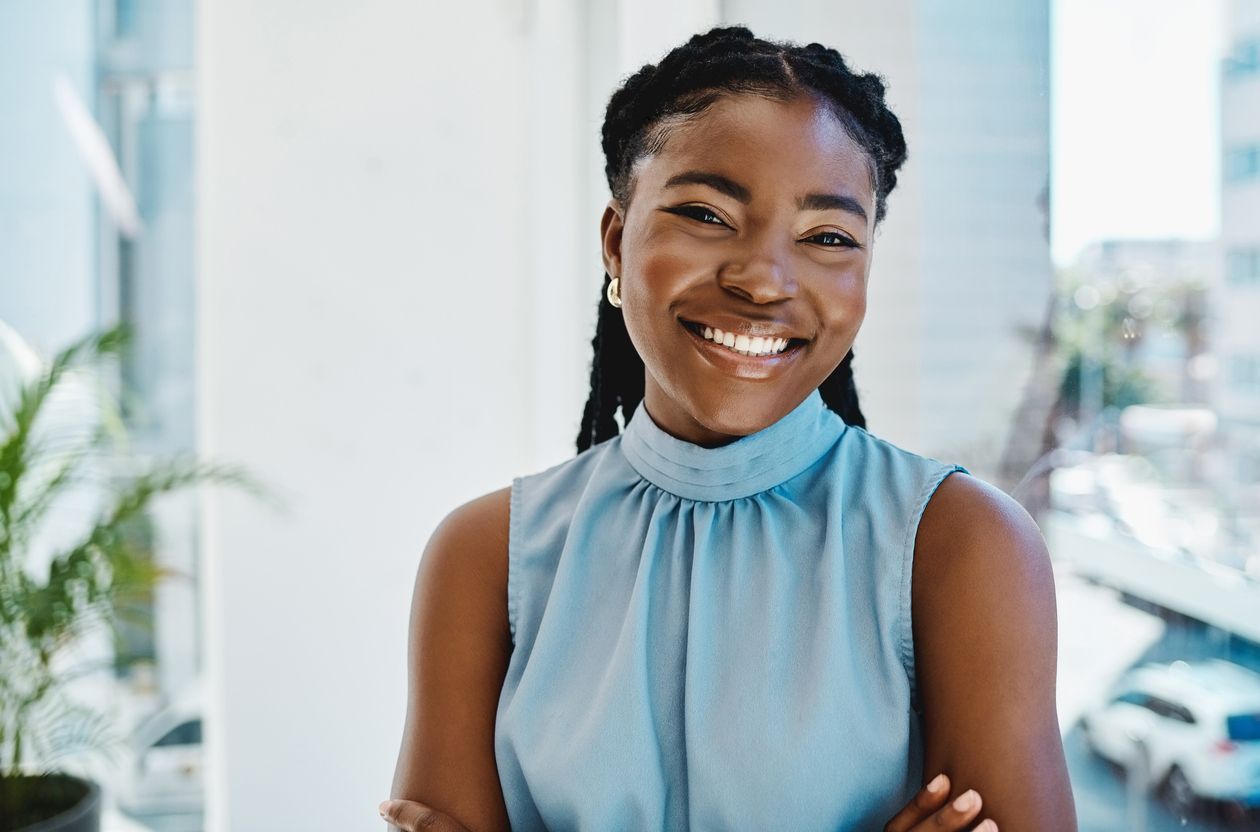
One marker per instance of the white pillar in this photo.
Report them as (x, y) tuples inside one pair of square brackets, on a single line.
[(364, 278)]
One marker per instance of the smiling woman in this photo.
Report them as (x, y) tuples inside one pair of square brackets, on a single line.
[(743, 610), (784, 256)]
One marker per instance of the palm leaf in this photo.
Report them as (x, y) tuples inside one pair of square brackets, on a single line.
[(100, 579), (15, 449)]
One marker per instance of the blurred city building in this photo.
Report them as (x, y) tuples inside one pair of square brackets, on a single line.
[(1165, 287), (1236, 335)]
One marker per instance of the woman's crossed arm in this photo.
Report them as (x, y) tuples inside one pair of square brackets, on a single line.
[(457, 657), (986, 643)]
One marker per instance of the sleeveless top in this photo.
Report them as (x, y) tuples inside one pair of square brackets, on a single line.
[(715, 638)]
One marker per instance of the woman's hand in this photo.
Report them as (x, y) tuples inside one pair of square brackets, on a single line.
[(410, 816), (924, 812)]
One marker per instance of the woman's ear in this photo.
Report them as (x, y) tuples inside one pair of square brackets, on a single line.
[(610, 228)]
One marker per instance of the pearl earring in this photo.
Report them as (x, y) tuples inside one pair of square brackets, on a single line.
[(614, 292)]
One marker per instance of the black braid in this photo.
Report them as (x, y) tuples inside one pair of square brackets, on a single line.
[(637, 121), (616, 357), (840, 394)]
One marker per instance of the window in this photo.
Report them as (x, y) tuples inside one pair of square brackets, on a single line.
[(1242, 163), (1170, 710), (1243, 727), (186, 733), (1131, 697)]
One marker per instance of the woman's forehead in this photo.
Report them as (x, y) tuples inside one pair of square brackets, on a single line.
[(769, 145)]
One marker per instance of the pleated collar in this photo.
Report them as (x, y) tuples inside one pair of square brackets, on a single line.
[(747, 466)]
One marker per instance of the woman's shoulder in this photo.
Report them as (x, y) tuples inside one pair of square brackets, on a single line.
[(467, 554), (487, 508), (967, 512), (476, 530)]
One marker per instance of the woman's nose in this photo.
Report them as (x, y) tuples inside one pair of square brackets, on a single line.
[(760, 278)]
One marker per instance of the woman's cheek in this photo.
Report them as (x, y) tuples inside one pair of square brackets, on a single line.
[(671, 267), (639, 313), (847, 302)]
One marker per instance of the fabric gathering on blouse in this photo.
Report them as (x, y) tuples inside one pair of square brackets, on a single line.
[(715, 638)]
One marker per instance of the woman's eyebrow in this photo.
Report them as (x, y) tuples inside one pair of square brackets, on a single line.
[(728, 186), (823, 202), (716, 181)]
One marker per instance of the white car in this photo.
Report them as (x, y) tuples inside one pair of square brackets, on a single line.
[(1194, 727), (164, 770)]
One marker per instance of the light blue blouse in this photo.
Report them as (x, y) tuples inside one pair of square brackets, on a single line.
[(715, 638)]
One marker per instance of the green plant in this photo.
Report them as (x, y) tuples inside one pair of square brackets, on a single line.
[(88, 581)]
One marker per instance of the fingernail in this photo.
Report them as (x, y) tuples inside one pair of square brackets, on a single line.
[(384, 808), (937, 784), (987, 826), (966, 800)]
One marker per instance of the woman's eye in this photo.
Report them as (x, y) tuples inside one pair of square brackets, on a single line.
[(699, 212), (839, 240), (828, 239)]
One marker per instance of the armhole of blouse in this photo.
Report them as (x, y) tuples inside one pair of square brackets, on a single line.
[(513, 581), (907, 566)]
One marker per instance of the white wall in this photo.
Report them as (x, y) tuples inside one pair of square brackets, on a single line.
[(364, 275)]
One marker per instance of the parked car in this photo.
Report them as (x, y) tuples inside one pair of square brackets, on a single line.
[(1193, 727), (163, 771)]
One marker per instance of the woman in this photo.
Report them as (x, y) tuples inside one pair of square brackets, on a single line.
[(744, 611)]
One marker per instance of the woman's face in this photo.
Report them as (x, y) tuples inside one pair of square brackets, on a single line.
[(755, 218)]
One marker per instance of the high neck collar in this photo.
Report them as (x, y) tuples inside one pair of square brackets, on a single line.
[(746, 466)]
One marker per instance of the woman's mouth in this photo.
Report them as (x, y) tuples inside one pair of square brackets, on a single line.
[(743, 355), (753, 347)]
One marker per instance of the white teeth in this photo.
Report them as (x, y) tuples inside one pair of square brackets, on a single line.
[(745, 345)]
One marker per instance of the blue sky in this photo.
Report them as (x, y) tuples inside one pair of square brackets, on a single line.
[(1135, 120)]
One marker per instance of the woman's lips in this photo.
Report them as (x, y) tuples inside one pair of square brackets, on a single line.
[(738, 364)]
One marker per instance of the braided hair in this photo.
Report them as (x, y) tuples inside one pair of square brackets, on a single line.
[(683, 84)]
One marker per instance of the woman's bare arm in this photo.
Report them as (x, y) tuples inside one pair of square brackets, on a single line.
[(457, 656), (986, 642)]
